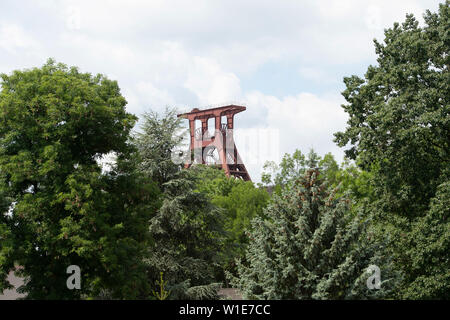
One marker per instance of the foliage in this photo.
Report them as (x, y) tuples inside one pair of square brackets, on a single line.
[(347, 175), (309, 247), (160, 135), (387, 204), (6, 247), (240, 202), (399, 113), (399, 131), (206, 292), (162, 294), (290, 168), (213, 181), (55, 122), (186, 229), (430, 250)]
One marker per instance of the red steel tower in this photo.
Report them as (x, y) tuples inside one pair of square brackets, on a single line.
[(204, 145)]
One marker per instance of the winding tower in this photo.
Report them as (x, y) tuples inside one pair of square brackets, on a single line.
[(220, 147)]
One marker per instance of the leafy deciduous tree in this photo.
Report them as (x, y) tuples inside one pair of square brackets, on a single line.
[(399, 130), (55, 122)]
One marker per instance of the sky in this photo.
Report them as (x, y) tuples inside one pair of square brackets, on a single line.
[(284, 60)]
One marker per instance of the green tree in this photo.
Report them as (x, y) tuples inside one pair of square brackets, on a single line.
[(187, 230), (290, 167), (310, 247), (242, 204), (430, 237), (55, 123), (399, 129), (213, 181), (347, 175), (6, 244), (399, 113), (240, 201)]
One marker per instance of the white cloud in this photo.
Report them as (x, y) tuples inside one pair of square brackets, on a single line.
[(154, 97), (192, 55), (243, 35), (13, 38), (307, 120), (303, 121), (73, 18), (210, 83)]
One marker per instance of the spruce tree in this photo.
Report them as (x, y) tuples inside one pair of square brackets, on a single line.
[(310, 247)]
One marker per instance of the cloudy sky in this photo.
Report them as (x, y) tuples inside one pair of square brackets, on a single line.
[(283, 60)]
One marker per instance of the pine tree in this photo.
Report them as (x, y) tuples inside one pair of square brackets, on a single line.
[(310, 247)]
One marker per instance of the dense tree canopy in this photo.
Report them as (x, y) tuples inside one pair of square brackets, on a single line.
[(399, 130), (187, 229), (399, 114), (310, 247), (309, 231), (6, 244), (347, 175), (55, 122), (429, 249), (290, 167), (241, 200)]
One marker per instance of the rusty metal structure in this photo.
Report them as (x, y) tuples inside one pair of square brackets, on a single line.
[(220, 146)]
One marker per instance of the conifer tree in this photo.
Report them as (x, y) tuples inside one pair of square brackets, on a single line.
[(310, 247), (186, 229)]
